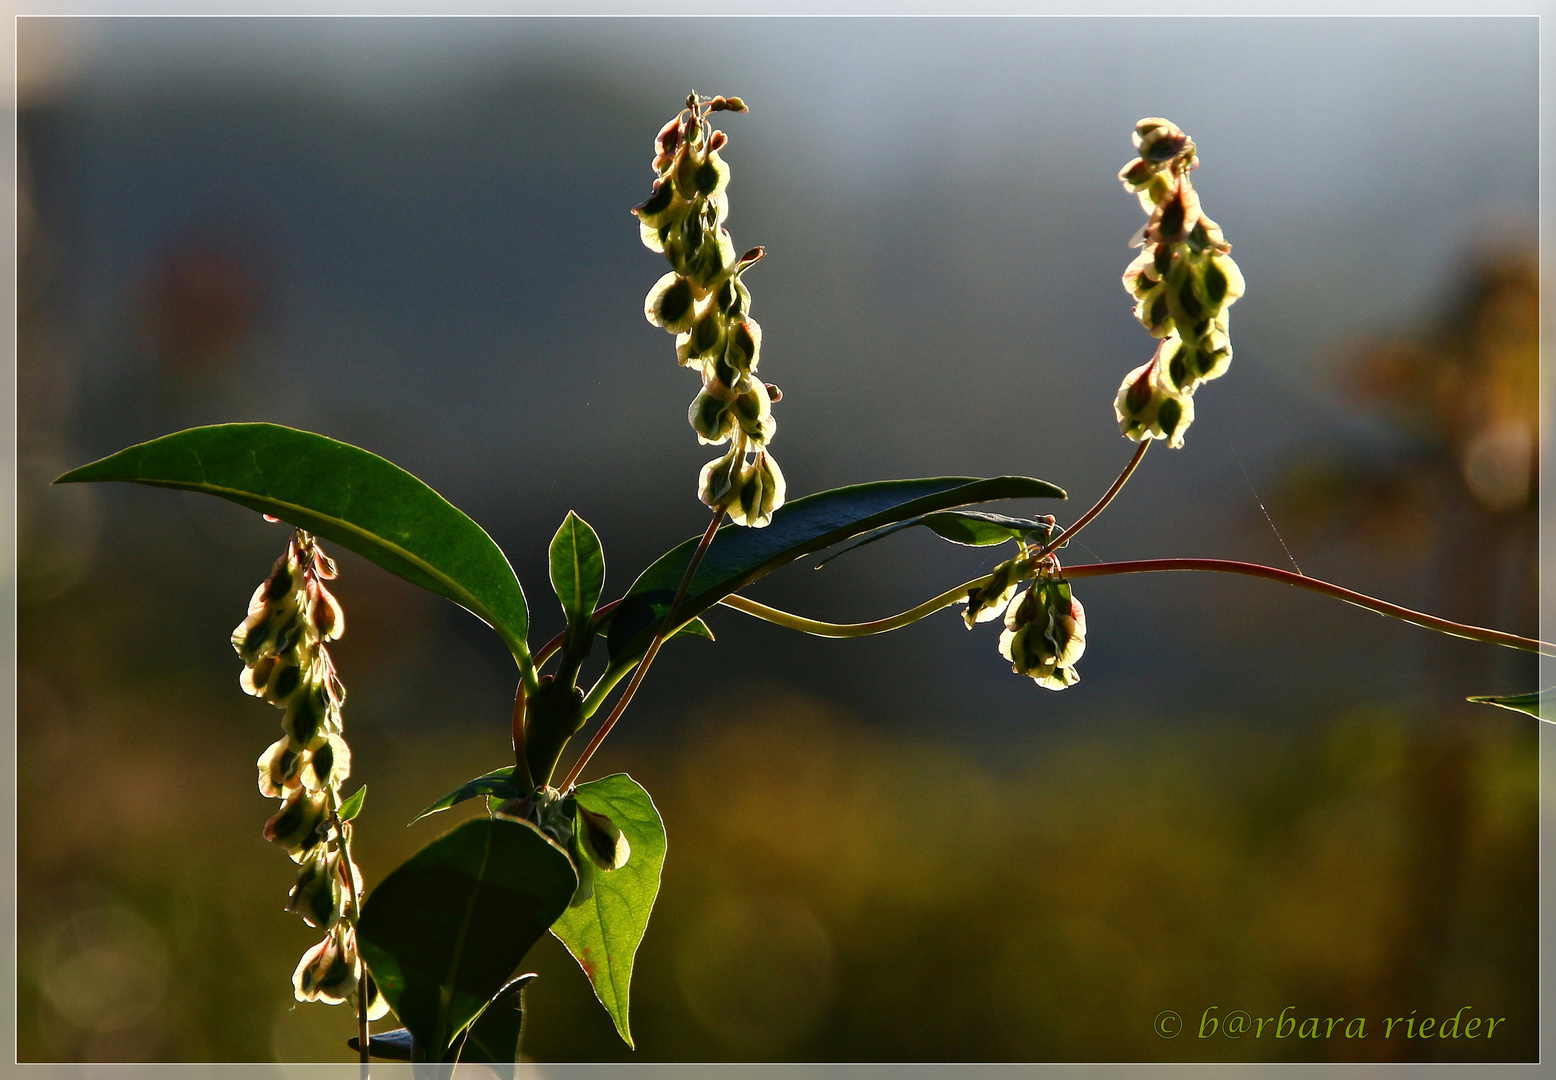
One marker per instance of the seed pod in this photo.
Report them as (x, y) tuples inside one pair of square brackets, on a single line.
[(316, 896), (670, 303), (324, 612), (704, 339), (1147, 407), (711, 418), (718, 477), (753, 411), (761, 492), (662, 205), (300, 824), (1045, 635), (328, 971), (743, 347), (328, 766), (1174, 216), (310, 715), (989, 600), (601, 841), (1137, 174), (280, 768), (714, 259)]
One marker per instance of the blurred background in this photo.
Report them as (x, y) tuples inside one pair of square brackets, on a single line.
[(413, 235)]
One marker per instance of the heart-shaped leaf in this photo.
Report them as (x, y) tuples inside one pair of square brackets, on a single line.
[(739, 555), (1536, 703), (498, 783), (444, 931), (605, 922), (577, 572), (343, 493)]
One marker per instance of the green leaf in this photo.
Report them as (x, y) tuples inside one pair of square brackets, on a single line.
[(353, 806), (577, 571), (739, 555), (444, 931), (970, 528), (695, 628), (495, 1035), (497, 783), (344, 494), (1532, 703), (396, 1045), (605, 922)]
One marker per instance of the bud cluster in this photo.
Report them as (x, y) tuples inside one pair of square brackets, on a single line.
[(1182, 281), (704, 302), (1045, 627), (282, 645)]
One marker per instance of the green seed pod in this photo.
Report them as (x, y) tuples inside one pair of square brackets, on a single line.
[(718, 477), (1148, 407), (280, 768), (600, 840), (1174, 216), (761, 491), (753, 411), (1137, 174), (300, 824), (663, 205), (1159, 140), (328, 971), (743, 345), (328, 766), (705, 339), (714, 259), (671, 303), (316, 896), (733, 299), (988, 601), (310, 716), (723, 381), (1155, 312), (324, 612), (711, 418), (1045, 635)]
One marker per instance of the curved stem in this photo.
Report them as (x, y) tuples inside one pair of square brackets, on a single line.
[(1101, 504), (666, 628), (1143, 566), (1301, 581), (601, 689), (850, 630)]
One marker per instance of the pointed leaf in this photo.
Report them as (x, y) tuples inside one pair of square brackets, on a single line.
[(1535, 704), (695, 628), (443, 933), (739, 556), (342, 493), (605, 922), (495, 1035), (396, 1045), (353, 806), (577, 570), (970, 528), (498, 783)]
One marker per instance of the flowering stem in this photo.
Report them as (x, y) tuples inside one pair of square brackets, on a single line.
[(356, 910), (1301, 581), (1225, 566), (666, 628), (1101, 504)]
